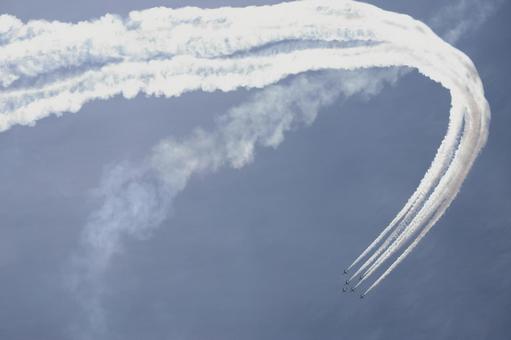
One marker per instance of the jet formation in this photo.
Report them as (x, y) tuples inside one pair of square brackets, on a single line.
[(352, 288)]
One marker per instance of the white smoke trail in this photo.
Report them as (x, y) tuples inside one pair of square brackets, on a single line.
[(407, 225), (453, 21), (136, 198), (52, 68)]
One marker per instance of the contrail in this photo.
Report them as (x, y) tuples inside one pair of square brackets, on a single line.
[(136, 198), (52, 68)]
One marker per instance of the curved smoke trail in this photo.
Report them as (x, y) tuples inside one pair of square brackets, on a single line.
[(53, 67)]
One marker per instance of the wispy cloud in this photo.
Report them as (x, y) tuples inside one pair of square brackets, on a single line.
[(458, 19), (137, 198)]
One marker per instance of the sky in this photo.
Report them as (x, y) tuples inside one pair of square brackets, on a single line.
[(258, 252)]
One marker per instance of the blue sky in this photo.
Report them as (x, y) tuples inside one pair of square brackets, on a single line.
[(258, 253)]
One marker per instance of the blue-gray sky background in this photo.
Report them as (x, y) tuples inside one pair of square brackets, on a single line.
[(258, 253)]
